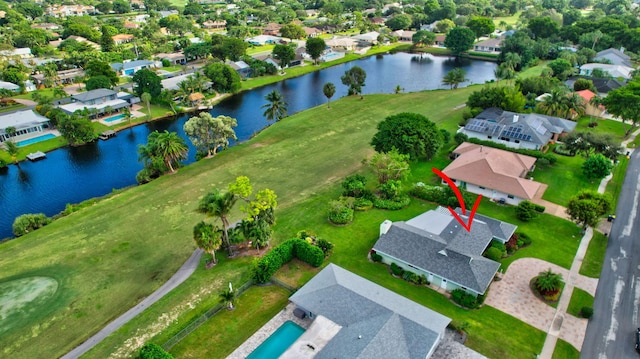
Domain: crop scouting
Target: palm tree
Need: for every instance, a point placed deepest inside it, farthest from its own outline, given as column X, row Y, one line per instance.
column 127, row 115
column 276, row 109
column 146, row 98
column 555, row 104
column 226, row 297
column 207, row 238
column 548, row 282
column 171, row 147
column 219, row 205
column 454, row 77
column 575, row 106
column 184, row 90
column 198, row 81
column 329, row 90
column 59, row 92
column 13, row 149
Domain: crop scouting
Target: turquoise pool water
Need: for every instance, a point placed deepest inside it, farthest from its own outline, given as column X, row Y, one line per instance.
column 114, row 118
column 278, row 342
column 35, row 140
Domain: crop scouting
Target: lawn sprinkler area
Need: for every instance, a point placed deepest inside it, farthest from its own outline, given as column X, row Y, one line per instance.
column 24, row 297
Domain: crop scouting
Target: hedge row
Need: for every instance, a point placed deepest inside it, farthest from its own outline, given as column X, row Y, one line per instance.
column 266, row 266
column 533, row 153
column 442, row 195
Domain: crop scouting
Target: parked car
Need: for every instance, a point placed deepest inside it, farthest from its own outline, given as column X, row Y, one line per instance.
column 637, row 341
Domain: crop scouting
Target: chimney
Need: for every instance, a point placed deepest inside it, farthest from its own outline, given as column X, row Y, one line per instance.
column 622, row 49
column 515, row 118
column 384, row 226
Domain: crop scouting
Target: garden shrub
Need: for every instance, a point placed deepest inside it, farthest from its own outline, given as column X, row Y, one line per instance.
column 526, row 211
column 324, row 245
column 29, row 222
column 396, row 270
column 460, row 137
column 392, row 204
column 354, row 186
column 586, row 312
column 390, row 189
column 493, row 253
column 442, row 195
column 526, row 240
column 376, row 257
column 520, row 242
column 362, row 204
column 153, row 351
column 500, row 246
column 341, row 211
column 538, row 208
column 464, row 299
column 263, row 268
column 563, row 151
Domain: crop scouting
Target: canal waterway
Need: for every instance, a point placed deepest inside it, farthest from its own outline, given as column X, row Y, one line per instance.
column 72, row 175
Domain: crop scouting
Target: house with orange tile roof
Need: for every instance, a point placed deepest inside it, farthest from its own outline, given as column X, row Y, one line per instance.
column 590, row 109
column 494, row 173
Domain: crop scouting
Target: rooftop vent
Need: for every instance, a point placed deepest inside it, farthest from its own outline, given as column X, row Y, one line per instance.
column 443, row 252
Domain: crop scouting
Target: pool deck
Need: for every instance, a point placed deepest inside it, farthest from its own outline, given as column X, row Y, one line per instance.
column 269, row 328
column 450, row 346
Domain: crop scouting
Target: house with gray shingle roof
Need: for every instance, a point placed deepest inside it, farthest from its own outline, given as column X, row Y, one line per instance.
column 356, row 318
column 516, row 130
column 435, row 244
column 615, row 56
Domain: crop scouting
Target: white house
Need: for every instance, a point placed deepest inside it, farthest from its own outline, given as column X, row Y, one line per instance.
column 23, row 122
column 616, row 71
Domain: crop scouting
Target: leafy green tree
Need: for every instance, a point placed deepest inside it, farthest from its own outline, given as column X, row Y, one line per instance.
column 13, row 150
column 561, row 68
column 481, row 26
column 98, row 82
column 583, row 84
column 29, row 10
column 390, row 166
column 153, row 351
column 596, row 167
column 146, row 98
column 121, row 6
column 98, row 68
column 443, row 26
column 147, row 81
column 587, row 207
column 208, row 238
column 224, row 78
column 410, row 133
column 284, row 54
column 218, row 204
column 315, row 46
column 29, row 222
column 208, row 133
column 399, row 22
column 104, row 7
column 548, row 282
column 76, row 130
column 423, row 38
column 526, row 211
column 329, row 89
column 193, row 8
column 332, row 8
column 624, row 103
column 454, row 77
column 234, row 49
column 459, row 40
column 276, row 108
column 292, row 31
column 543, row 27
column 106, row 41
column 354, row 78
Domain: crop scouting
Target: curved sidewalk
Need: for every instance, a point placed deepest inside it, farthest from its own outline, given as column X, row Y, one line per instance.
column 180, row 276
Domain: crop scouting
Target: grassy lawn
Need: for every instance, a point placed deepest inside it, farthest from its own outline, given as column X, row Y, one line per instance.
column 257, row 49
column 229, row 329
column 15, row 107
column 564, row 178
column 510, row 20
column 579, row 299
column 44, row 146
column 156, row 111
column 615, row 184
column 27, row 96
column 594, row 258
column 617, row 129
column 534, row 70
column 564, row 350
column 172, row 68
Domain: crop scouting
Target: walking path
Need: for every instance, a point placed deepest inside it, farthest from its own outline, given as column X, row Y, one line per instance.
column 180, row 276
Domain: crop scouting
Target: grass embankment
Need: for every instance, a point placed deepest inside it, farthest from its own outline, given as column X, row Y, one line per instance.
column 121, row 249
column 594, row 258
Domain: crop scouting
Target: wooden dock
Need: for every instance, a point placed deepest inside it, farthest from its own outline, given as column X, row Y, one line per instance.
column 36, row 156
column 107, row 135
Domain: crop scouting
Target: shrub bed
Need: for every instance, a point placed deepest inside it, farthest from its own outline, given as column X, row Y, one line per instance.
column 341, row 211
column 263, row 268
column 392, row 204
column 442, row 195
column 362, row 204
column 466, row 300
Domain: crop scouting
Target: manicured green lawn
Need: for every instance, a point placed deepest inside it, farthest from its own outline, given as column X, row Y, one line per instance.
column 615, row 184
column 564, row 178
column 256, row 49
column 27, row 96
column 564, row 350
column 44, row 146
column 579, row 299
column 594, row 258
column 510, row 20
column 617, row 129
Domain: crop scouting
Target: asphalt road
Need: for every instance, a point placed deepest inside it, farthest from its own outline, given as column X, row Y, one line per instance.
column 610, row 333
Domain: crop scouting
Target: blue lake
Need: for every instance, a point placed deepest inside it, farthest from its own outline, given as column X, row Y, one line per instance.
column 72, row 175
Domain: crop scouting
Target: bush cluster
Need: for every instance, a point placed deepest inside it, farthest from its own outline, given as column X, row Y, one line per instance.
column 29, row 222
column 527, row 211
column 341, row 211
column 493, row 253
column 562, row 151
column 376, row 257
column 396, row 270
column 465, row 299
column 153, row 351
column 586, row 312
column 517, row 241
column 264, row 267
column 442, row 195
column 362, row 204
column 396, row 203
column 533, row 153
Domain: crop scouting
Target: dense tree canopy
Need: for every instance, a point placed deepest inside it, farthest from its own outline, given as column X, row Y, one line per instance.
column 101, row 68
column 224, row 78
column 315, row 46
column 284, row 54
column 624, row 102
column 481, row 26
column 410, row 133
column 354, row 78
column 587, row 207
column 209, row 134
column 459, row 40
column 147, row 81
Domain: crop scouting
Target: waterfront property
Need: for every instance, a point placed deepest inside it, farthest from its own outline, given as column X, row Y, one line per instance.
column 32, row 140
column 517, row 130
column 434, row 244
column 98, row 102
column 496, row 174
column 25, row 123
column 356, row 318
column 131, row 67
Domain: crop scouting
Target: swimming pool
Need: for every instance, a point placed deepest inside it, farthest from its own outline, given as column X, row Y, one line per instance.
column 114, row 118
column 35, row 139
column 332, row 56
column 278, row 342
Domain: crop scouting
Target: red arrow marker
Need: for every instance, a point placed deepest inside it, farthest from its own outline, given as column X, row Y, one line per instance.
column 458, row 194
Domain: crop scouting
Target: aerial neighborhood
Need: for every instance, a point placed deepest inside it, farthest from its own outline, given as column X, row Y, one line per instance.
column 335, row 179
